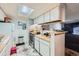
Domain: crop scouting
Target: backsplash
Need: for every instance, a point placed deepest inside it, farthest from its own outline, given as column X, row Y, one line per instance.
column 56, row 26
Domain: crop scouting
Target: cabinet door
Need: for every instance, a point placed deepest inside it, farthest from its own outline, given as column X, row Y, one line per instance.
column 54, row 14
column 59, row 45
column 46, row 17
column 38, row 20
column 35, row 21
column 8, row 48
column 37, row 44
column 41, row 19
column 44, row 48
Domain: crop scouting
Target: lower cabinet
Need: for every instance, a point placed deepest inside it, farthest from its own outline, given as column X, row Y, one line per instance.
column 37, row 44
column 6, row 50
column 44, row 48
column 59, row 45
column 47, row 49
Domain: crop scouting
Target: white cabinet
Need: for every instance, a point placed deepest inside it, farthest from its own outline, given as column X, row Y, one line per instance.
column 54, row 14
column 55, row 48
column 6, row 49
column 36, row 21
column 51, row 15
column 44, row 48
column 46, row 17
column 40, row 19
column 60, row 45
column 37, row 44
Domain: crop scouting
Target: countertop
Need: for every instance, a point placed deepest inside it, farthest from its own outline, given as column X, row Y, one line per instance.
column 47, row 38
column 59, row 33
column 43, row 37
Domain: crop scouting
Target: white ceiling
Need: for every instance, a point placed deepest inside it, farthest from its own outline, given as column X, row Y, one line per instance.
column 72, row 10
column 39, row 8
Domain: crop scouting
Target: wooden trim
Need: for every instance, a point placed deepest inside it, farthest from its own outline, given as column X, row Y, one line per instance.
column 51, row 22
column 59, row 33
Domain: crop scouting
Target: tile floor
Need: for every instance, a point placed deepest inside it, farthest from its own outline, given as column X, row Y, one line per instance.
column 28, row 51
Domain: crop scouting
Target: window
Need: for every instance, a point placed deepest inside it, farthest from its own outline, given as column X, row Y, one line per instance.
column 76, row 30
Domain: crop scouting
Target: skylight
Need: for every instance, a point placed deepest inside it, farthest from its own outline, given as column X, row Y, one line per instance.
column 24, row 10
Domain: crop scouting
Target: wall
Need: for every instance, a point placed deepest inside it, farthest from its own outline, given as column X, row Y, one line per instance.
column 6, row 28
column 2, row 15
column 18, row 31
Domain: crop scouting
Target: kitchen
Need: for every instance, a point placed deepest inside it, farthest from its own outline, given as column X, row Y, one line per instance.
column 33, row 29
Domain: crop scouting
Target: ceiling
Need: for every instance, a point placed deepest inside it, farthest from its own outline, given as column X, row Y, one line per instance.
column 11, row 9
column 72, row 10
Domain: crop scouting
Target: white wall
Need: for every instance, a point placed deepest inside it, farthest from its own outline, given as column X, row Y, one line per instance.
column 19, row 32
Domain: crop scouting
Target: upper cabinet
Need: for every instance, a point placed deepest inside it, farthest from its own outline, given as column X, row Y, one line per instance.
column 57, row 13
column 38, row 20
column 46, row 17
column 35, row 21
column 2, row 15
column 41, row 19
